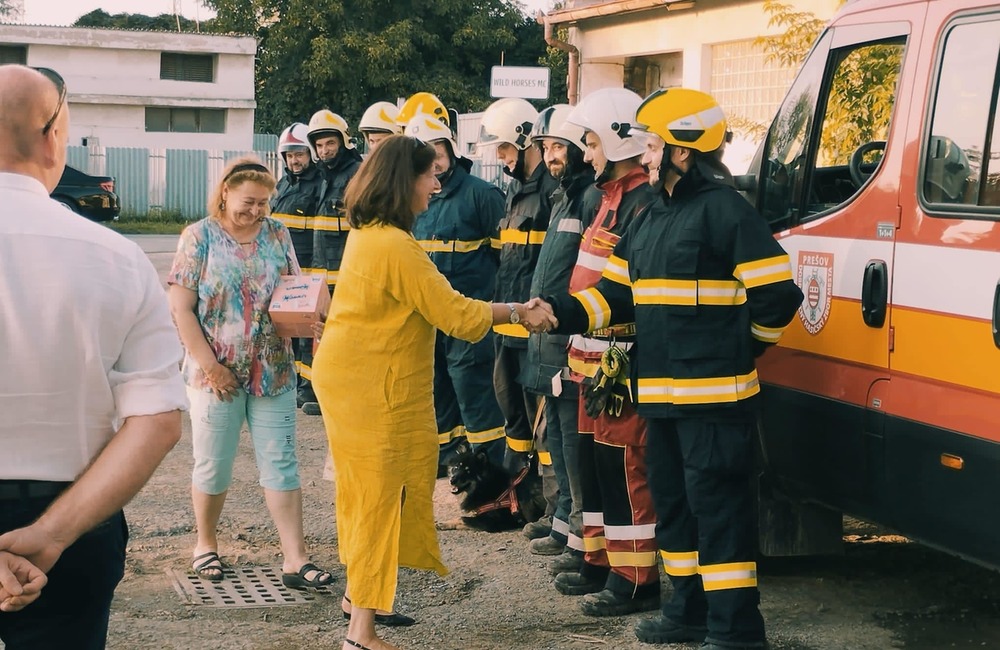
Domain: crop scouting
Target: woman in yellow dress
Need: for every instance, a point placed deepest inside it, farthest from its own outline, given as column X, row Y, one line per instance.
column 373, row 375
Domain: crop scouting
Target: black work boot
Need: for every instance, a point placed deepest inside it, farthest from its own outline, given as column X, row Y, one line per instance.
column 612, row 603
column 311, row 408
column 663, row 630
column 713, row 645
column 568, row 562
column 575, row 584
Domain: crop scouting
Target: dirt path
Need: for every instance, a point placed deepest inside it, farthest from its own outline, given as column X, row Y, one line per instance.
column 884, row 593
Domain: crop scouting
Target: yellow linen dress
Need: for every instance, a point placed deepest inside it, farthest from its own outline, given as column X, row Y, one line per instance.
column 373, row 376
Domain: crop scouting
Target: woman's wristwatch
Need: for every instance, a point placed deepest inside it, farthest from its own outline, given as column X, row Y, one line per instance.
column 515, row 318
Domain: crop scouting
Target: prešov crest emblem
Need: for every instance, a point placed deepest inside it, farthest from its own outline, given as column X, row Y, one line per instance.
column 816, row 281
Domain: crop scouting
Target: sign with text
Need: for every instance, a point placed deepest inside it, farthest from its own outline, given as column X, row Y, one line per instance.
column 519, row 81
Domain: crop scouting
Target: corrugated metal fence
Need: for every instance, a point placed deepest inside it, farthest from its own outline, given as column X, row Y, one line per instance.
column 176, row 182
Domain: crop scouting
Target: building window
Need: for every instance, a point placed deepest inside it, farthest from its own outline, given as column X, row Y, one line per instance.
column 187, row 67
column 746, row 84
column 185, row 120
column 13, row 54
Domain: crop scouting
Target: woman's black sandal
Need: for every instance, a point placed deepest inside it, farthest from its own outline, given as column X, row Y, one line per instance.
column 357, row 645
column 299, row 581
column 206, row 568
column 395, row 619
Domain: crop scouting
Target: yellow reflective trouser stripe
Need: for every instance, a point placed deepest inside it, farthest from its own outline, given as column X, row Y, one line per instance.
column 544, row 458
column 304, row 371
column 516, row 444
column 309, row 271
column 591, row 544
column 331, row 277
column 479, row 437
column 689, row 292
column 735, row 575
column 711, row 390
column 522, row 237
column 444, row 437
column 495, row 244
column 331, row 224
column 766, row 271
column 511, row 329
column 766, row 334
column 632, row 558
column 680, row 564
column 597, row 308
column 300, row 221
column 453, row 246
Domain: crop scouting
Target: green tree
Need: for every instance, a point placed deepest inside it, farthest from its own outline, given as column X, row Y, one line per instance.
column 163, row 22
column 346, row 54
column 861, row 92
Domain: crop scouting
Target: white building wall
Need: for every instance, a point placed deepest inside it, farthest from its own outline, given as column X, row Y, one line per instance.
column 113, row 75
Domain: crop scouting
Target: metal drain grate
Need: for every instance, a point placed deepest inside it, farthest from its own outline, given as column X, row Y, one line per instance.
column 242, row 587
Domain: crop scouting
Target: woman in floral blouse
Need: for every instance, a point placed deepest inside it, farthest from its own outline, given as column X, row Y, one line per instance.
column 236, row 367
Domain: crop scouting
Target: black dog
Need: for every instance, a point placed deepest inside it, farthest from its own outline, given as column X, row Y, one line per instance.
column 493, row 500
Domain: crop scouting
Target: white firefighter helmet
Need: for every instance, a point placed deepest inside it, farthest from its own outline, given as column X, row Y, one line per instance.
column 294, row 138
column 422, row 102
column 610, row 114
column 552, row 123
column 430, row 129
column 380, row 117
column 326, row 123
column 507, row 120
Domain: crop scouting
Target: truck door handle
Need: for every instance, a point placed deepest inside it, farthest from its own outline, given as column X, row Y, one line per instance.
column 875, row 294
column 996, row 315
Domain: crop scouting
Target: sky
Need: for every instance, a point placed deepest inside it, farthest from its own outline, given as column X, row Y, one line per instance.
column 65, row 12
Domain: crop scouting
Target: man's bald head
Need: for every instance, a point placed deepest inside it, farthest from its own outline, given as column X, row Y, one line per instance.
column 28, row 99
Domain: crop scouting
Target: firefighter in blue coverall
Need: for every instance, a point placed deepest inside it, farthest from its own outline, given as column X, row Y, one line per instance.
column 338, row 161
column 296, row 199
column 456, row 231
column 709, row 289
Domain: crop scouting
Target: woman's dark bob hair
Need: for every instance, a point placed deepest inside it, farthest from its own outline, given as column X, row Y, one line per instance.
column 382, row 190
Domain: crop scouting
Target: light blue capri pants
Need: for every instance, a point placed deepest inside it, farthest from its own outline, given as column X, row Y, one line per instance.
column 215, row 437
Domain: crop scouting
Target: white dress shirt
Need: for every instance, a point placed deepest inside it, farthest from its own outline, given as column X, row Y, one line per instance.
column 86, row 338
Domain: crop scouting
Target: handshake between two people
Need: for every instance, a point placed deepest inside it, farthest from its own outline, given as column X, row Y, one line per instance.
column 538, row 317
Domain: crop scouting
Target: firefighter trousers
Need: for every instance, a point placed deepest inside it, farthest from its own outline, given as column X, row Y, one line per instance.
column 699, row 474
column 562, row 438
column 519, row 407
column 619, row 520
column 464, row 403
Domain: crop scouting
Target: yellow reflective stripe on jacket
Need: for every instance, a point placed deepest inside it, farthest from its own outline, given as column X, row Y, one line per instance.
column 516, row 444
column 544, row 458
column 594, row 544
column 452, row 246
column 444, row 437
column 735, row 575
column 331, row 224
column 511, row 329
column 766, row 334
column 684, row 563
column 712, row 390
column 488, row 435
column 597, row 308
column 689, row 292
column 765, row 271
column 300, row 221
column 616, row 270
column 521, row 237
column 582, row 367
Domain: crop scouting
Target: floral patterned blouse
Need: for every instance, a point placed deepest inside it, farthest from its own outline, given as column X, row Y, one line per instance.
column 234, row 286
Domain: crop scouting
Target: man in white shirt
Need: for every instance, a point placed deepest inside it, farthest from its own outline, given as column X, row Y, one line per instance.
column 85, row 417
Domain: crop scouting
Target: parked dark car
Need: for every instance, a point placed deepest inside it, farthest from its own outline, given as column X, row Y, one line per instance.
column 91, row 196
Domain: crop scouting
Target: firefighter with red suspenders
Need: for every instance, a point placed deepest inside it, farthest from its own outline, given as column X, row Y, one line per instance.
column 619, row 572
